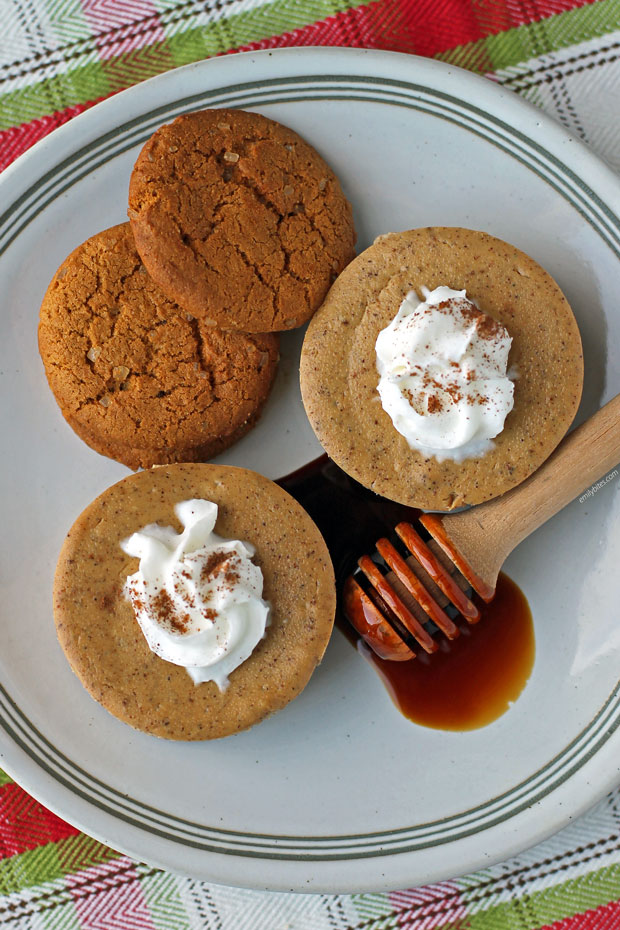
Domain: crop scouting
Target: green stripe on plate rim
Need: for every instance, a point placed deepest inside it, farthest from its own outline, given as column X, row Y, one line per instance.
column 406, row 839
column 449, row 108
column 347, row 846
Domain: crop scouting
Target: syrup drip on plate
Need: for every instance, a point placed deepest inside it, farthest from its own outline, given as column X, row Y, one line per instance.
column 468, row 682
column 472, row 680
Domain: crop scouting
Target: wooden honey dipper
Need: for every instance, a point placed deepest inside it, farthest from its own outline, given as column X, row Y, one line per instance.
column 391, row 600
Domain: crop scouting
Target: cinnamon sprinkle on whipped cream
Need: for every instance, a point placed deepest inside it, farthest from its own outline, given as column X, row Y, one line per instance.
column 196, row 596
column 443, row 379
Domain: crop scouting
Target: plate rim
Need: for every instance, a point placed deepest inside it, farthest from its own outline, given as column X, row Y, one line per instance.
column 64, row 136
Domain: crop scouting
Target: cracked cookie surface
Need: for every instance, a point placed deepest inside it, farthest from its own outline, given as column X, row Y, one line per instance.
column 136, row 377
column 239, row 220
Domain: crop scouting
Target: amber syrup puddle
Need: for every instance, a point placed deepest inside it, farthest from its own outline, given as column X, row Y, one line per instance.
column 467, row 683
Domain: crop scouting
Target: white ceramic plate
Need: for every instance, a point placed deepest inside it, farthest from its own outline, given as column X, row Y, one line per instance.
column 338, row 792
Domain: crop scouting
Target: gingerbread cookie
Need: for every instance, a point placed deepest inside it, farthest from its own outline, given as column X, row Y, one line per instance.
column 136, row 377
column 239, row 220
column 105, row 646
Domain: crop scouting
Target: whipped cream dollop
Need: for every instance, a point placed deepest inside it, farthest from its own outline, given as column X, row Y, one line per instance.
column 197, row 597
column 443, row 379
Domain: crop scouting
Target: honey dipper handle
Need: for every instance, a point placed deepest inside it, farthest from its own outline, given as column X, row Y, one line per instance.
column 485, row 535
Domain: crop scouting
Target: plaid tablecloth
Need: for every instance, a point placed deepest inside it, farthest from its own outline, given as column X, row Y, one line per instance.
column 59, row 57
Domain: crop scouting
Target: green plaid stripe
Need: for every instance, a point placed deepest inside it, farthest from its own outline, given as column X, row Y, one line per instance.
column 82, row 76
column 537, row 909
column 195, row 43
column 87, row 82
column 46, row 882
column 68, row 21
column 52, row 861
column 509, row 48
column 165, row 901
column 373, row 910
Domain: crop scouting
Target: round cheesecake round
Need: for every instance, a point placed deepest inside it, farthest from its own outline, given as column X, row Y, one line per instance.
column 105, row 646
column 136, row 377
column 339, row 376
column 239, row 220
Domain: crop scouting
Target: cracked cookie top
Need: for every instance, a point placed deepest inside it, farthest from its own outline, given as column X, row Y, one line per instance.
column 239, row 220
column 136, row 377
